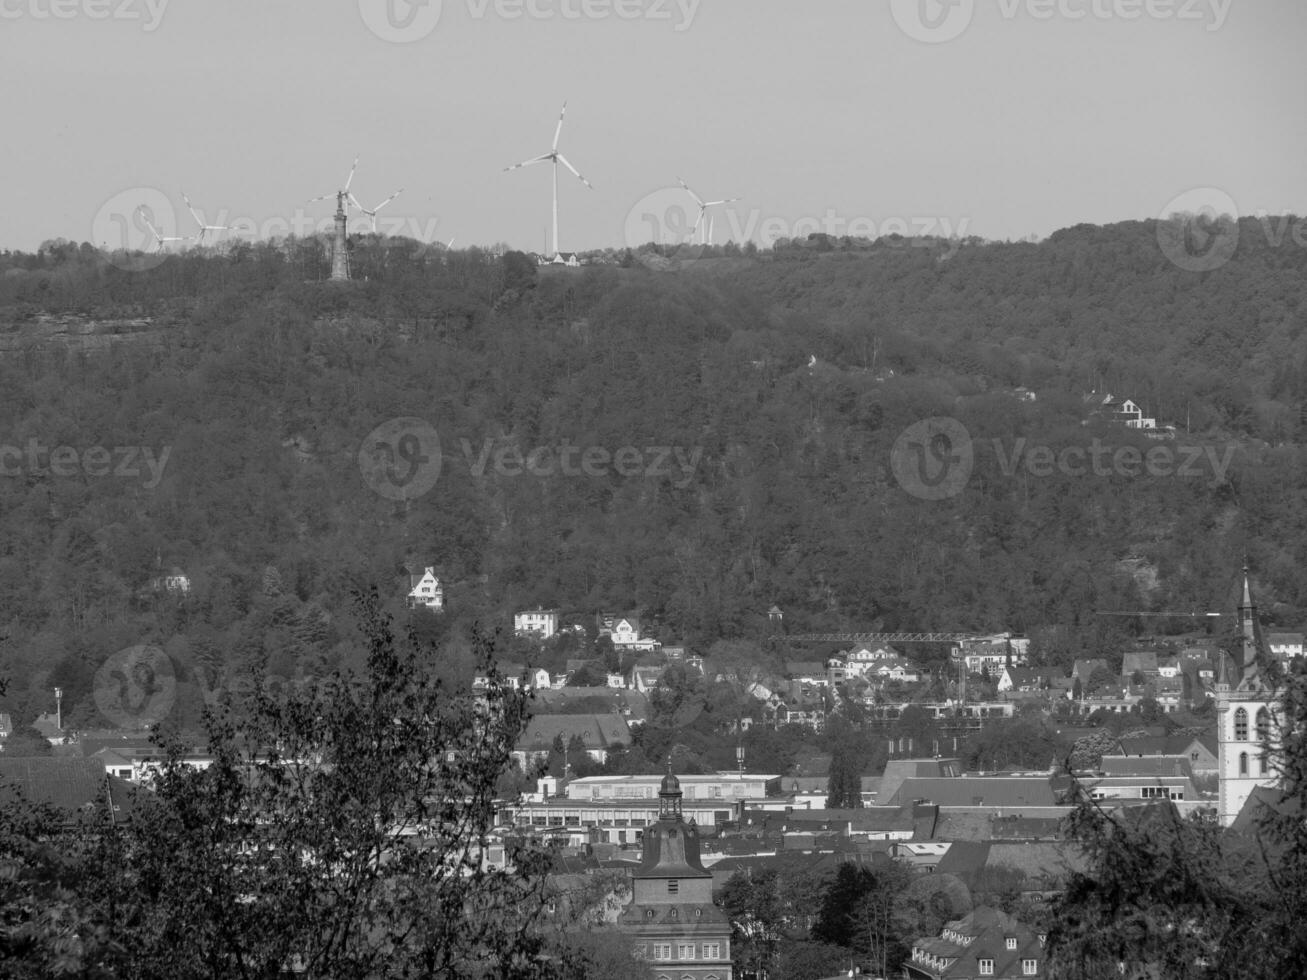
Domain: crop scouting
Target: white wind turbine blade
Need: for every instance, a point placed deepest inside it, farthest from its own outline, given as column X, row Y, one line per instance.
column 354, row 202
column 563, row 160
column 559, row 131
column 191, row 209
column 148, row 223
column 729, row 200
column 387, row 201
column 324, row 197
column 697, row 199
column 698, row 222
column 526, row 163
column 350, row 179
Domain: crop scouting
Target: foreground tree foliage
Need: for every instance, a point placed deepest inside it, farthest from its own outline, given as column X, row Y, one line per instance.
column 339, row 832
column 1166, row 897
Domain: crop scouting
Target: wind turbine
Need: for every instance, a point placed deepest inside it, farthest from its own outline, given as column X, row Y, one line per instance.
column 373, row 213
column 159, row 239
column 554, row 157
column 199, row 239
column 706, row 237
column 343, row 195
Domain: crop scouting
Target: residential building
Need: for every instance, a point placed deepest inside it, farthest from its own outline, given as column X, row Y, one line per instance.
column 985, row 943
column 1025, row 680
column 1139, row 662
column 1200, row 750
column 176, row 582
column 1121, row 411
column 1004, row 791
column 425, row 590
column 624, row 631
column 542, row 623
column 6, row 725
column 597, row 734
column 1247, row 710
column 1285, row 646
column 672, row 920
column 992, row 652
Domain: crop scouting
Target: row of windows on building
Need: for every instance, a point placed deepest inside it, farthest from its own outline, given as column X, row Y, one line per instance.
column 1241, row 724
column 1029, row 968
column 684, row 951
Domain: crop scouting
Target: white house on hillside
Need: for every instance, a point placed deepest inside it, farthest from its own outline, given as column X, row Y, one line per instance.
column 425, row 590
column 541, row 622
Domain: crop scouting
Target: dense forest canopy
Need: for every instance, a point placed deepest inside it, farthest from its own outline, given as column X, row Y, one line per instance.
column 758, row 393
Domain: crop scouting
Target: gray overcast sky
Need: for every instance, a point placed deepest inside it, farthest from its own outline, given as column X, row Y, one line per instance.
column 1037, row 115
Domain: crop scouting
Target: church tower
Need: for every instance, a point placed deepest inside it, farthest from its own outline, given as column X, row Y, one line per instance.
column 1247, row 715
column 672, row 920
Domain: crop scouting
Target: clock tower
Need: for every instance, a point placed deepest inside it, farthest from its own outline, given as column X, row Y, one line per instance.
column 672, row 920
column 1247, row 715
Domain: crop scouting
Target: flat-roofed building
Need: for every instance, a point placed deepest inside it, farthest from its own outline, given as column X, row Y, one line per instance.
column 711, row 786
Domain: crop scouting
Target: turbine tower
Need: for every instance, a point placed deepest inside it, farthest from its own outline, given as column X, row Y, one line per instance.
column 705, row 237
column 339, row 251
column 554, row 157
column 159, row 239
column 199, row 239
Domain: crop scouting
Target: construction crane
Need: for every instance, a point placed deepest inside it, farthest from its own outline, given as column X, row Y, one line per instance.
column 876, row 637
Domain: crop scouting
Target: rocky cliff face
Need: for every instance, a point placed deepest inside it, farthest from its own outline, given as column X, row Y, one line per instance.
column 72, row 331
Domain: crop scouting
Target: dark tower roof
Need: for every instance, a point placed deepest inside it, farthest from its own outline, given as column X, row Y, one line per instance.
column 671, row 846
column 1250, row 668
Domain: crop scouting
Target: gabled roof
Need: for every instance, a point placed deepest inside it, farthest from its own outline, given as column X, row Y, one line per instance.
column 595, row 731
column 70, row 784
column 977, row 791
column 1166, row 745
column 1154, row 765
column 1144, row 661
